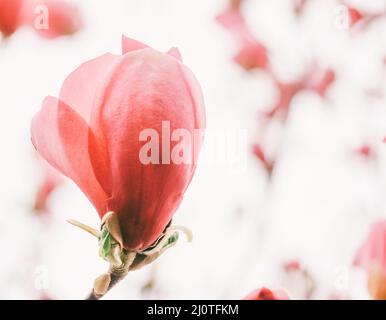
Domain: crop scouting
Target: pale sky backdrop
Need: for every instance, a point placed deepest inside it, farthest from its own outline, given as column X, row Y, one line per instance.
column 321, row 200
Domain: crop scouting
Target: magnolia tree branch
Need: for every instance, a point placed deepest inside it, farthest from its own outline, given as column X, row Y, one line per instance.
column 130, row 262
column 114, row 279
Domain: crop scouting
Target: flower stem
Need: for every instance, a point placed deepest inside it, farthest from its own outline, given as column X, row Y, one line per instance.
column 115, row 278
column 105, row 282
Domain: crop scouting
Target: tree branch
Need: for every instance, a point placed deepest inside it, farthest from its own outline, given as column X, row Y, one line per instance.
column 107, row 281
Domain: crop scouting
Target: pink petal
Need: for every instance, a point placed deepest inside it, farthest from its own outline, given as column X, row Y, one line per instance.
column 79, row 91
column 373, row 251
column 174, row 52
column 129, row 45
column 61, row 136
column 79, row 88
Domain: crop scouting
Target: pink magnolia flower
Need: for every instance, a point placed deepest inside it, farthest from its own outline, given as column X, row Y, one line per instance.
column 10, row 12
column 267, row 294
column 52, row 18
column 372, row 258
column 94, row 135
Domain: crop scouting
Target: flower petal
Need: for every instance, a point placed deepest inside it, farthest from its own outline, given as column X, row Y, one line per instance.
column 78, row 90
column 174, row 52
column 62, row 137
column 129, row 45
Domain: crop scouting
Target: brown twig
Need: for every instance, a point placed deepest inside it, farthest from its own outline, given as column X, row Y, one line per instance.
column 116, row 274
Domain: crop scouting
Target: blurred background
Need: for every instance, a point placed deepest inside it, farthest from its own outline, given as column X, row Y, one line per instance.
column 291, row 192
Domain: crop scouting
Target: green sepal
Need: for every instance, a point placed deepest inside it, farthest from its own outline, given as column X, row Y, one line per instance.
column 106, row 242
column 171, row 240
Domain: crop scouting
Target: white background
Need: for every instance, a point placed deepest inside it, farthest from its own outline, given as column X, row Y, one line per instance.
column 316, row 209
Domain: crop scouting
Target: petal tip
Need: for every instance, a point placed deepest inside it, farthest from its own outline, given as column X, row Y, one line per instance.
column 174, row 52
column 129, row 45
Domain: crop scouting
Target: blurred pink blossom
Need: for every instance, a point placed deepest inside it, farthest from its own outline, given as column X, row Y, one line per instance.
column 292, row 265
column 372, row 258
column 317, row 79
column 359, row 19
column 49, row 18
column 252, row 53
column 260, row 155
column 366, row 151
column 10, row 16
column 267, row 294
column 354, row 15
column 51, row 179
column 299, row 6
column 63, row 17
